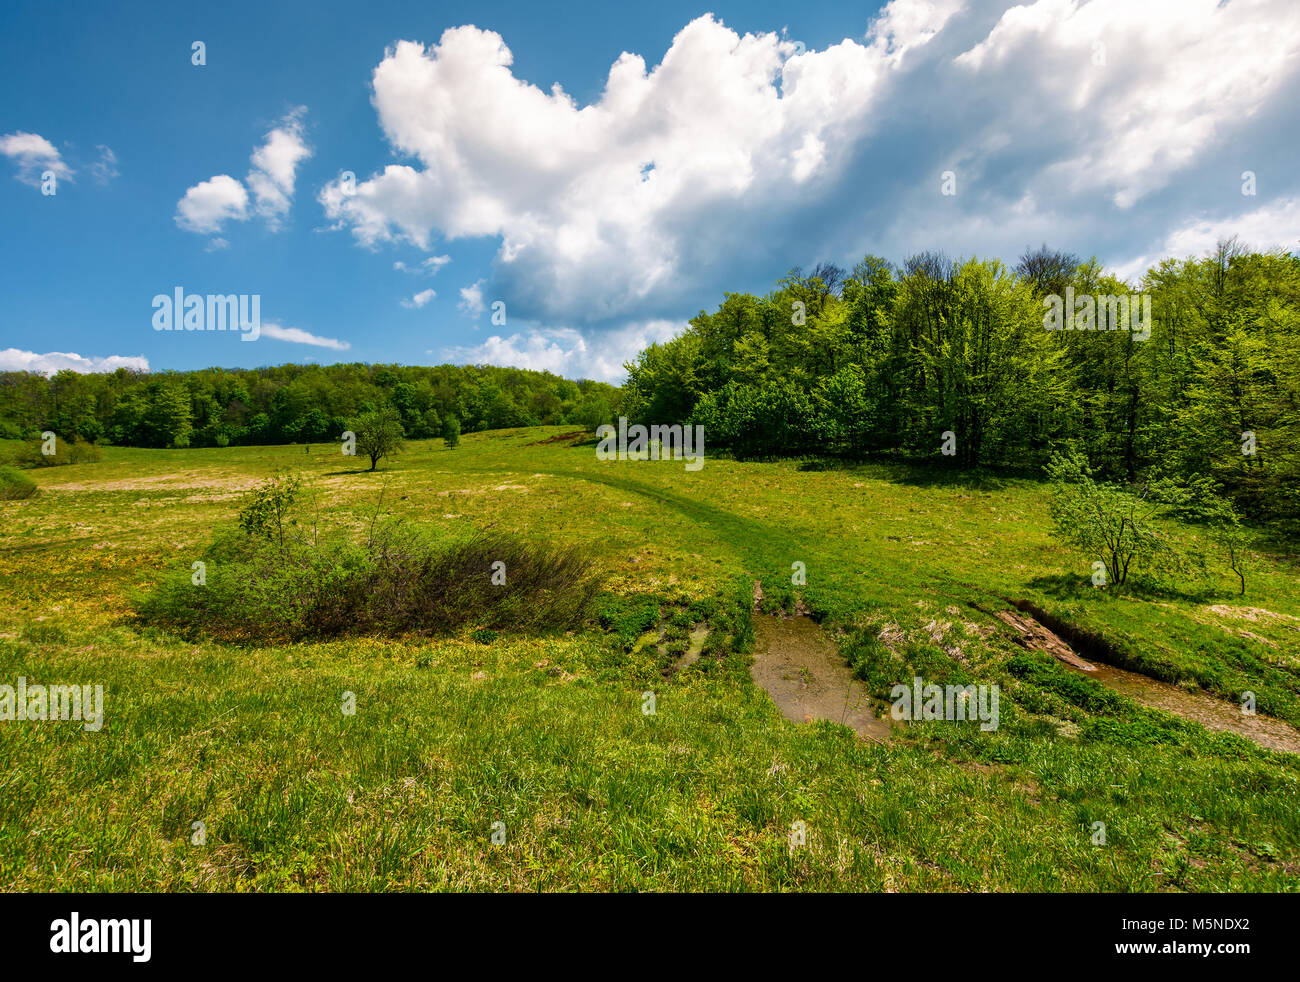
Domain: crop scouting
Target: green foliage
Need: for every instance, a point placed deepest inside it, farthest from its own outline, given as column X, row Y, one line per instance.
column 1236, row 542
column 73, row 451
column 14, row 484
column 451, row 432
column 757, row 420
column 284, row 404
column 1109, row 523
column 266, row 508
column 627, row 617
column 888, row 359
column 273, row 580
column 1047, row 673
column 593, row 411
column 379, row 433
column 167, row 421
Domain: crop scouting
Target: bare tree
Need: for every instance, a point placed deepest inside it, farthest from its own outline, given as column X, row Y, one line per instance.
column 832, row 277
column 1049, row 270
column 931, row 264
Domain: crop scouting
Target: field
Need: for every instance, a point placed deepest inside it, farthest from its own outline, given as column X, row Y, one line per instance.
column 531, row 763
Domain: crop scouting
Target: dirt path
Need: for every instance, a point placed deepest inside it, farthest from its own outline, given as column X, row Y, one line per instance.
column 805, row 674
column 1198, row 707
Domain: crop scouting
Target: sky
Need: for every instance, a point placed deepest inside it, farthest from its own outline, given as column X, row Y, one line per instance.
column 554, row 187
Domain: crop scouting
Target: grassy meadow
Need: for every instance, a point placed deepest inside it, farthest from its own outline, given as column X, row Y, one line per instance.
column 541, row 742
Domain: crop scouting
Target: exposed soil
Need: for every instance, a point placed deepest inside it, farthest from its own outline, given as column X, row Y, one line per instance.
column 1196, row 706
column 570, row 437
column 1031, row 634
column 161, row 482
column 805, row 674
column 1251, row 614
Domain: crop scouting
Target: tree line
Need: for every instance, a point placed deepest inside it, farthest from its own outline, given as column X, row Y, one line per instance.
column 290, row 403
column 951, row 361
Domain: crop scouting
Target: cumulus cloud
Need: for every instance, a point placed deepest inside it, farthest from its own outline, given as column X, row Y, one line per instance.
column 17, row 360
column 566, row 351
column 208, row 205
column 297, row 335
column 599, row 207
column 739, row 156
column 33, row 155
column 419, row 300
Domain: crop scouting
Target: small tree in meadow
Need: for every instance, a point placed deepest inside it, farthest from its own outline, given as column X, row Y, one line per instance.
column 379, row 434
column 1109, row 522
column 451, row 432
column 1236, row 541
column 266, row 508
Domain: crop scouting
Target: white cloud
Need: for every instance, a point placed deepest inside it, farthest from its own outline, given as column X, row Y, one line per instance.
column 1267, row 227
column 738, row 156
column 419, row 300
column 471, row 299
column 903, row 26
column 1122, row 73
column 210, row 204
column 33, row 155
column 597, row 207
column 297, row 335
column 429, row 267
column 275, row 166
column 567, row 352
column 17, row 360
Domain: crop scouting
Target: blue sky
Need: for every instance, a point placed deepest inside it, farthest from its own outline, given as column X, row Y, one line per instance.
column 747, row 139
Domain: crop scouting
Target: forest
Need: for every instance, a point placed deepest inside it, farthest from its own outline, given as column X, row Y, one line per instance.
column 951, row 361
column 218, row 407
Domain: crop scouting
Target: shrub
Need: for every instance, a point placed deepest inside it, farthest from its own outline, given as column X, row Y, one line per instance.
column 15, row 485
column 268, row 580
column 65, row 452
column 451, row 432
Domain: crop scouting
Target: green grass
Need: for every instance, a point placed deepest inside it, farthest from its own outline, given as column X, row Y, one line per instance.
column 546, row 734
